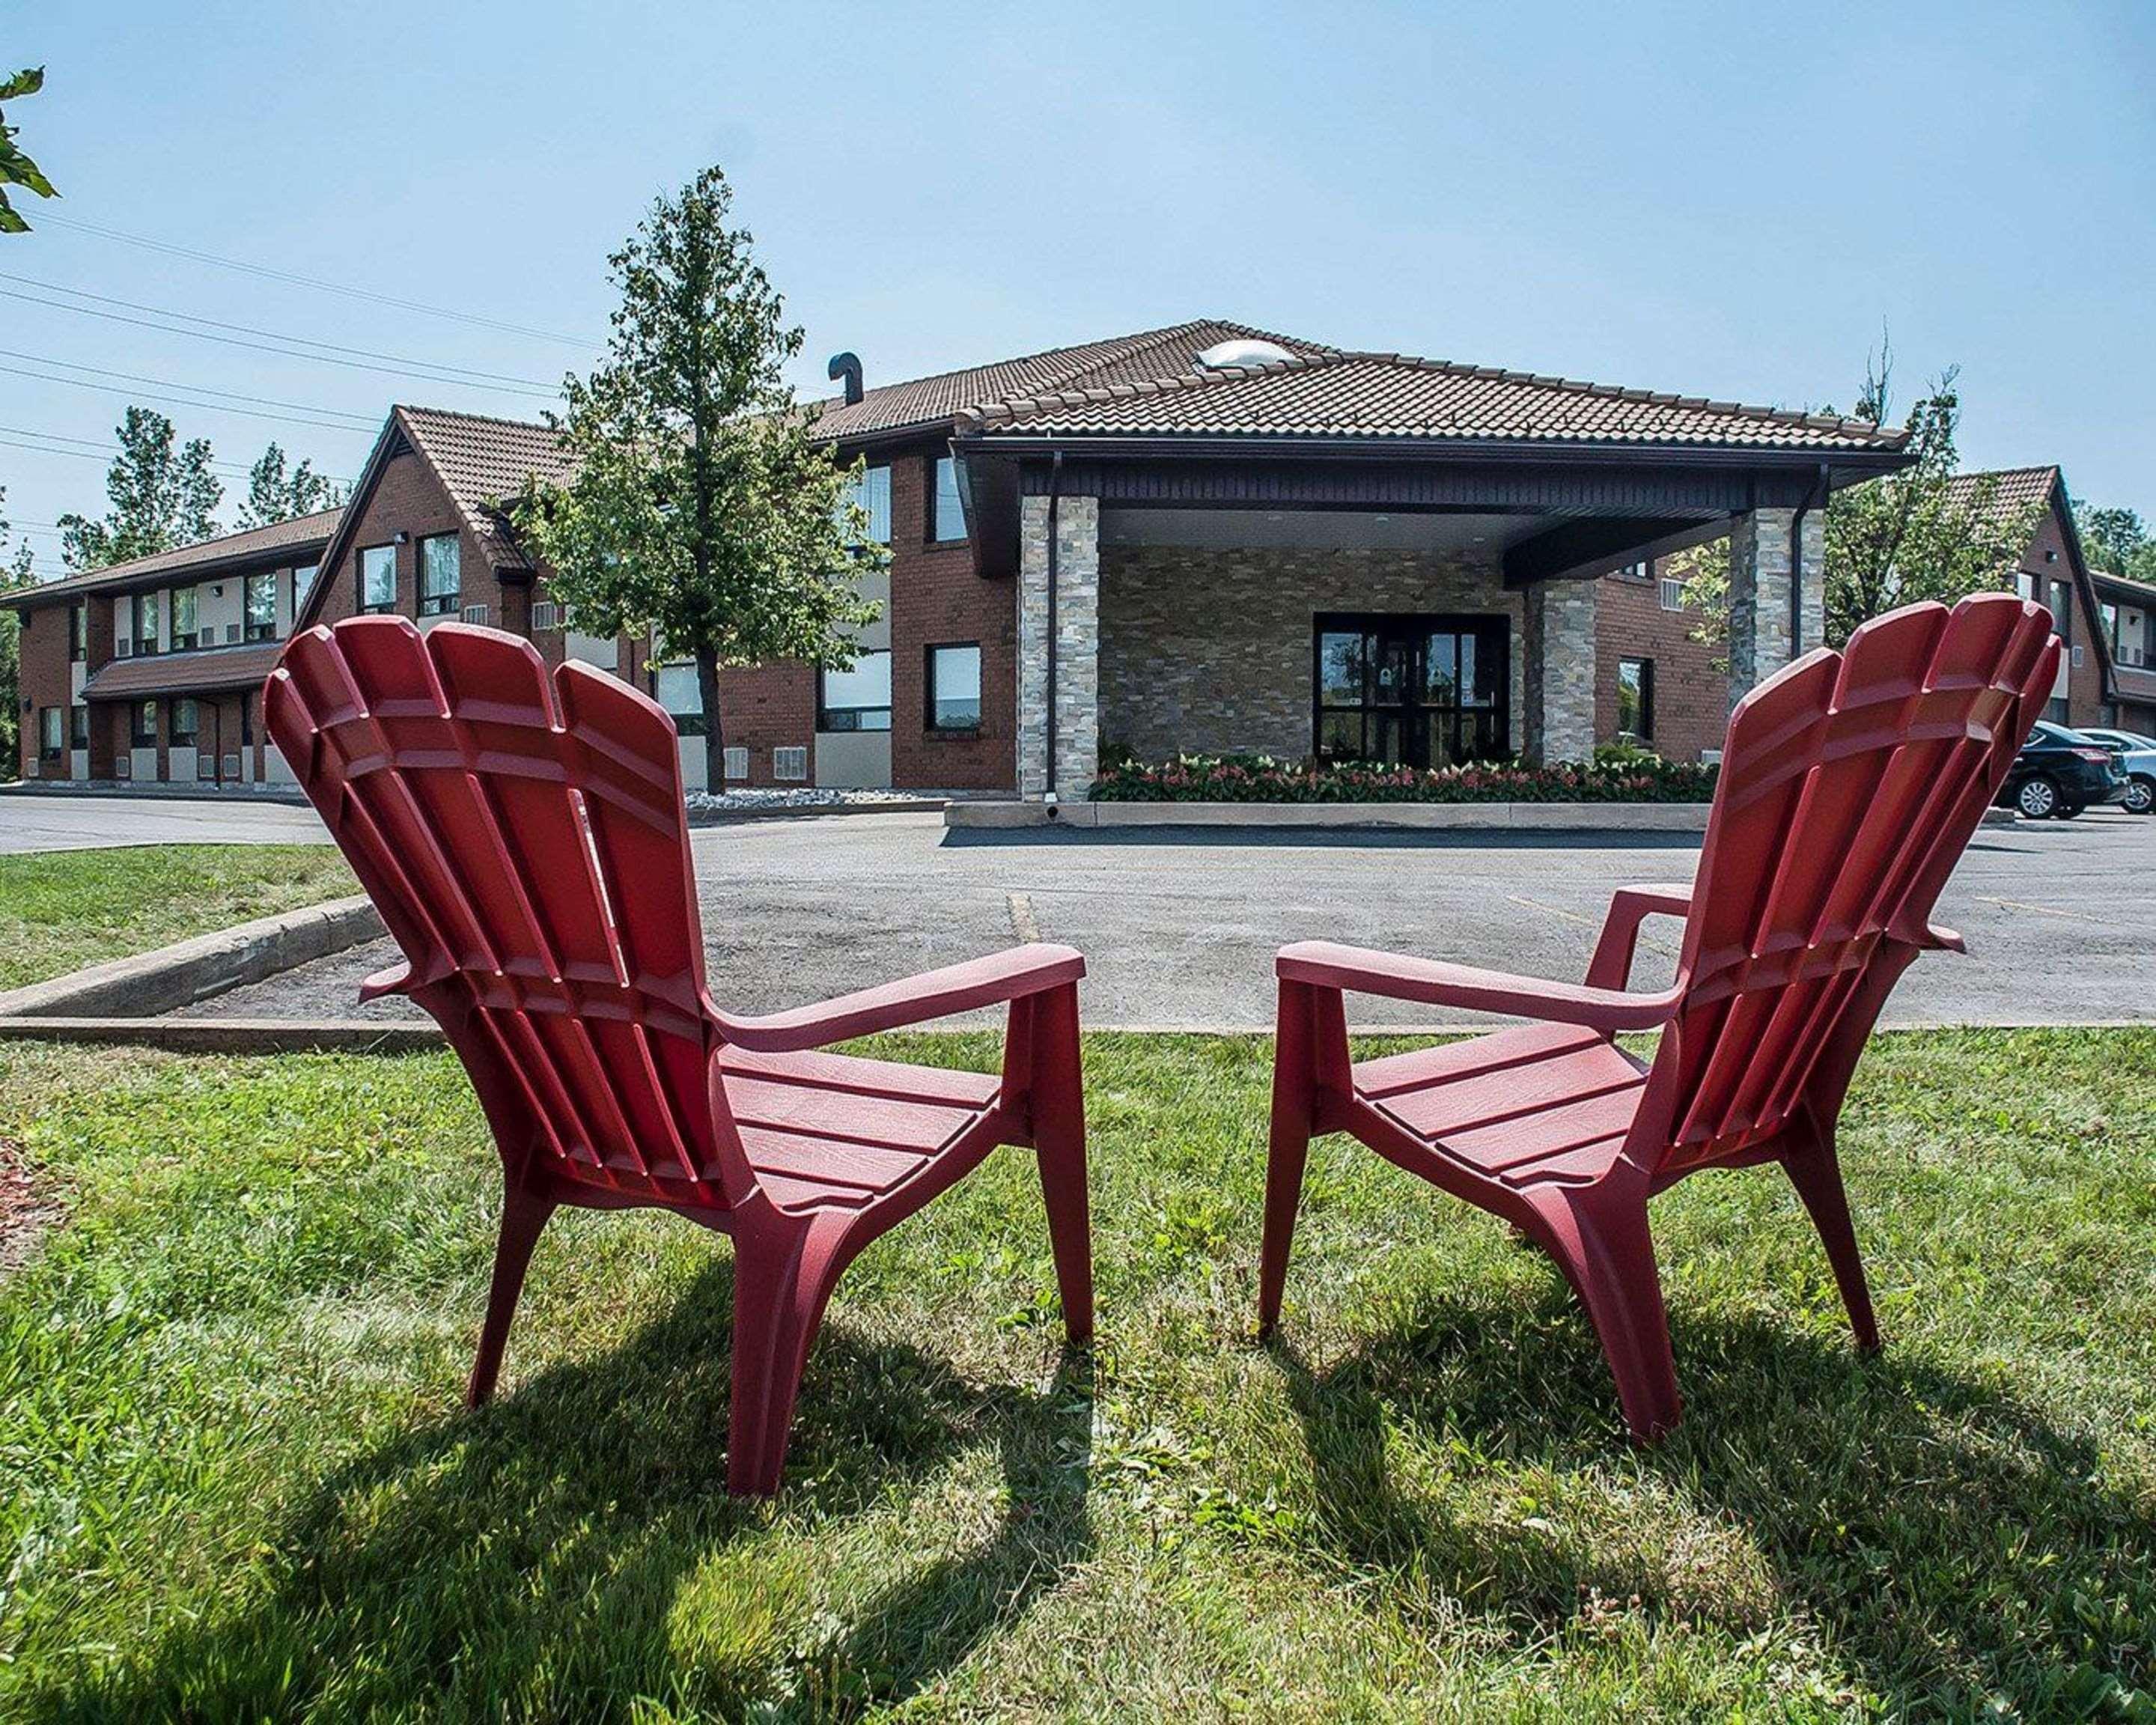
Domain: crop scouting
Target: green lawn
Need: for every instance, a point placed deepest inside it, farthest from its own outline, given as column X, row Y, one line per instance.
column 62, row 909
column 236, row 1482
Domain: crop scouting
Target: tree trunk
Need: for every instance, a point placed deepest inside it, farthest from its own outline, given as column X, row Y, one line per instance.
column 714, row 730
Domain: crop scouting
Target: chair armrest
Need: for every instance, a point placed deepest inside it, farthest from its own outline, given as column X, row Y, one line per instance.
column 1010, row 975
column 1397, row 977
column 1611, row 966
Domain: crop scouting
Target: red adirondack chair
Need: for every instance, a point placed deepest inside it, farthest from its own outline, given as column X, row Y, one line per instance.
column 528, row 847
column 1850, row 785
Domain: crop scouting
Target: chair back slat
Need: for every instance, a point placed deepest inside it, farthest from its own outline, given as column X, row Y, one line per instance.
column 1850, row 785
column 525, row 839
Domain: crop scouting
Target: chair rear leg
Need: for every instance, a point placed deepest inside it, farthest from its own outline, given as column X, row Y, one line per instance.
column 780, row 1289
column 1815, row 1172
column 523, row 1215
column 1601, row 1241
column 1294, row 1096
column 1058, row 1102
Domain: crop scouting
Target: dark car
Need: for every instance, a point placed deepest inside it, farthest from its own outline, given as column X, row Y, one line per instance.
column 2061, row 772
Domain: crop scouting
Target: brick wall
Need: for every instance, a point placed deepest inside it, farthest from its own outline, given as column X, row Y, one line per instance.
column 407, row 499
column 1211, row 649
column 46, row 681
column 1692, row 691
column 2045, row 560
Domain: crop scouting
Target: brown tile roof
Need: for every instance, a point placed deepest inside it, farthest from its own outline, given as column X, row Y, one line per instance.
column 299, row 535
column 183, row 673
column 482, row 461
column 2016, row 489
column 1121, row 359
column 1340, row 394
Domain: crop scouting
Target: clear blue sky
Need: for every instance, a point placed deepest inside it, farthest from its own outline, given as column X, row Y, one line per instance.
column 1645, row 193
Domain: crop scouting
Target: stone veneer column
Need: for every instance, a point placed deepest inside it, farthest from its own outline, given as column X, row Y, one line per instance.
column 1077, row 647
column 1759, row 638
column 1559, row 641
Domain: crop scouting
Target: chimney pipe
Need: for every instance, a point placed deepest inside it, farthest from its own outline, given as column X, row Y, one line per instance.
column 848, row 367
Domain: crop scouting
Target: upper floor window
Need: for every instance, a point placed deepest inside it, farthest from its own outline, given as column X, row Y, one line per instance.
column 1637, row 572
column 78, row 633
column 145, row 623
column 856, row 700
column 675, row 688
column 377, row 578
column 262, row 604
column 954, row 695
column 947, row 510
column 185, row 613
column 440, row 579
column 303, row 582
column 872, row 491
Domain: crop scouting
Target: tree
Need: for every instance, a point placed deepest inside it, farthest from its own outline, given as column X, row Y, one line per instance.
column 2117, row 540
column 275, row 493
column 17, row 169
column 15, row 573
column 1894, row 541
column 701, row 508
column 162, row 496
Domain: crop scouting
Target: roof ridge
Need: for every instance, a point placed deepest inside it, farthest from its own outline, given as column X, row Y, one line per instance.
column 408, row 407
column 1172, row 383
column 1651, row 397
column 120, row 570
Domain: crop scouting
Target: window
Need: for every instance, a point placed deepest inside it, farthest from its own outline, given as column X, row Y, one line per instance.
column 303, row 582
column 79, row 726
column 145, row 623
column 947, row 510
column 673, row 687
column 186, row 608
column 1635, row 571
column 872, row 491
column 262, row 604
column 1411, row 691
column 2062, row 612
column 440, row 581
column 856, row 700
column 50, row 720
column 953, row 696
column 185, row 717
column 377, row 578
column 1673, row 593
column 78, row 633
column 145, row 717
column 1635, row 699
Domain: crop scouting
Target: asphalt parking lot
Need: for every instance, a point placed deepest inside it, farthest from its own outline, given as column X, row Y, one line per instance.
column 1179, row 928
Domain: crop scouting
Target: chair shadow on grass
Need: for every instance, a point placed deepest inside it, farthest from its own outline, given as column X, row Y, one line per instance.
column 1956, row 1548
column 555, row 1531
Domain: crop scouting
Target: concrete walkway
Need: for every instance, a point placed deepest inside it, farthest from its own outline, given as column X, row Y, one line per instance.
column 1180, row 928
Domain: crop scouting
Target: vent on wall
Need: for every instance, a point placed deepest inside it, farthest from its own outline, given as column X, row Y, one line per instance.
column 545, row 615
column 1673, row 593
column 231, row 633
column 123, row 650
column 123, row 767
column 475, row 613
column 232, row 767
column 736, row 764
column 791, row 764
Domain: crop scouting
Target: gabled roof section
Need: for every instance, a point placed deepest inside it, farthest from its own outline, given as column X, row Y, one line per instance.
column 942, row 398
column 1332, row 394
column 2015, row 489
column 479, row 461
column 297, row 538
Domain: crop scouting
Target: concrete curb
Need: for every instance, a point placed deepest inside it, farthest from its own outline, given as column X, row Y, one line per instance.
column 281, row 795
column 179, row 975
column 1426, row 816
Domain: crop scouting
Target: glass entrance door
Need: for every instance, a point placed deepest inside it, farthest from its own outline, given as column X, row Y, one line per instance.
column 1411, row 691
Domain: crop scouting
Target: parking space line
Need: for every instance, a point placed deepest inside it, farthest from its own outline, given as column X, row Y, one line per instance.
column 2015, row 904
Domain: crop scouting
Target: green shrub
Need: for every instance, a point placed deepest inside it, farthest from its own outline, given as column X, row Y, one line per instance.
column 1620, row 775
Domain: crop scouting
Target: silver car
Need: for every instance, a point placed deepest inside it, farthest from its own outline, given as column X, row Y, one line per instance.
column 2140, row 764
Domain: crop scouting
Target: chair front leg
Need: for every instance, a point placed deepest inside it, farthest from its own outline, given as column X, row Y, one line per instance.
column 1295, row 1101
column 782, row 1280
column 523, row 1215
column 1056, row 1097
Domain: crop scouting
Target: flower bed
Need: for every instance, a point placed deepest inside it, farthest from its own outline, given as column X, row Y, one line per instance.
column 1613, row 775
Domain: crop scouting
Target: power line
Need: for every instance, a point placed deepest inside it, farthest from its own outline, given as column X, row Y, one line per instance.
column 332, row 287
column 181, row 401
column 360, row 421
column 325, row 359
column 90, row 449
column 426, row 365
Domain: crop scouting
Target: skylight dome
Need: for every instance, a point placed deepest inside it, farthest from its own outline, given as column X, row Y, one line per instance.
column 1242, row 351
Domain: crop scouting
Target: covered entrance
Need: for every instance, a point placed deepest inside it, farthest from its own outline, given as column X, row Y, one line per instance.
column 1410, row 690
